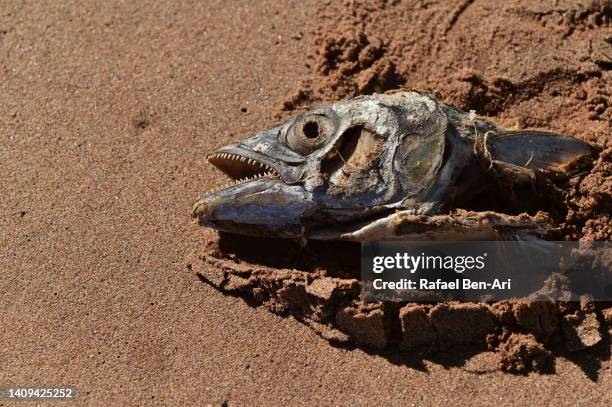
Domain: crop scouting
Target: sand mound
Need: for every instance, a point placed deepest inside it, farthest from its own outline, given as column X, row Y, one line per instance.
column 324, row 294
column 476, row 59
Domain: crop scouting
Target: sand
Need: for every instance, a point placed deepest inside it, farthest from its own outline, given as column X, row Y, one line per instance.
column 106, row 112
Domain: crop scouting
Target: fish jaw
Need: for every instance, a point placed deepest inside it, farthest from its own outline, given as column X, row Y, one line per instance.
column 264, row 207
column 263, row 197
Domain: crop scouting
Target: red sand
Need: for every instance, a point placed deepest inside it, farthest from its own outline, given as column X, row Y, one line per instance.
column 106, row 112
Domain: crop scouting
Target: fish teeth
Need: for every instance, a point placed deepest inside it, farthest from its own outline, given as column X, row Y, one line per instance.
column 260, row 169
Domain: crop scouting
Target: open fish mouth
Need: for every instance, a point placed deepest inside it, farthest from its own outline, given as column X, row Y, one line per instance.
column 257, row 201
column 241, row 168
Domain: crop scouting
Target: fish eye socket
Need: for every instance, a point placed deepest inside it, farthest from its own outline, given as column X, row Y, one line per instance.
column 309, row 132
column 311, row 129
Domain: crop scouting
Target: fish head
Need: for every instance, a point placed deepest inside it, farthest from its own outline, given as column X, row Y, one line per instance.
column 347, row 162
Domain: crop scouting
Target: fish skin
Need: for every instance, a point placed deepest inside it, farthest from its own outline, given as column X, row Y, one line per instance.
column 354, row 165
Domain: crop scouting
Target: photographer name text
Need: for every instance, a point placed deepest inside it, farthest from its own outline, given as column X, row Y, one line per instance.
column 440, row 284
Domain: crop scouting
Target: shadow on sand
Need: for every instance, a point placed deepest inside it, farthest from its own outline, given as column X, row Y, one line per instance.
column 341, row 260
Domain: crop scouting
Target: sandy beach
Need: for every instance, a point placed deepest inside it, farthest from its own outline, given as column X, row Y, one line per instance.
column 107, row 110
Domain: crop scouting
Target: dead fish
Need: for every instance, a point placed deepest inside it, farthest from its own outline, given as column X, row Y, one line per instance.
column 395, row 166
